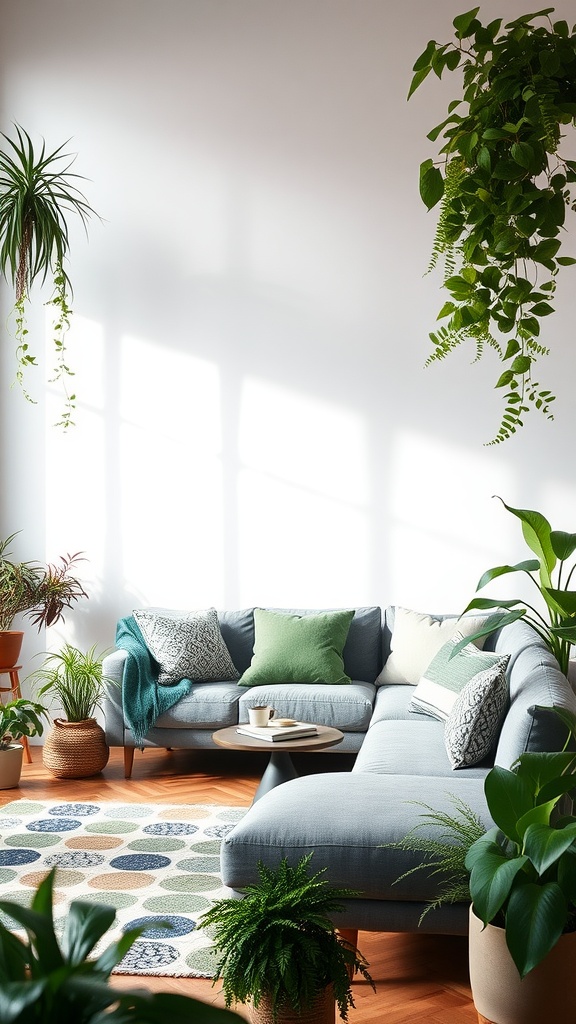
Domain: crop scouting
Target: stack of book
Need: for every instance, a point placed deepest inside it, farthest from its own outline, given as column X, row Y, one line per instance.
column 277, row 733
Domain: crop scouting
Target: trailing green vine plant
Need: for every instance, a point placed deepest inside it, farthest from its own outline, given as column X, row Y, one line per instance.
column 504, row 189
column 37, row 192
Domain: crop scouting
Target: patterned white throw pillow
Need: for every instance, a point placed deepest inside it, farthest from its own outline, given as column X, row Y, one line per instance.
column 186, row 646
column 474, row 722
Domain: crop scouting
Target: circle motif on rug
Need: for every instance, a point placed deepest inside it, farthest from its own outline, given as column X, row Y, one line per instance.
column 38, row 841
column 54, row 825
column 65, row 880
column 80, row 810
column 178, row 926
column 119, row 900
column 139, row 862
column 18, row 856
column 127, row 811
column 148, row 955
column 114, row 828
column 210, row 846
column 23, row 807
column 74, row 859
column 190, row 883
column 177, row 903
column 7, row 875
column 195, row 813
column 121, row 880
column 163, row 844
column 170, row 828
column 203, row 962
column 93, row 842
column 218, row 831
column 199, row 864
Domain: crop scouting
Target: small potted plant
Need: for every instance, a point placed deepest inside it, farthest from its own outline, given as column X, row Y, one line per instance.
column 279, row 949
column 73, row 680
column 18, row 718
column 42, row 592
column 50, row 978
column 520, row 876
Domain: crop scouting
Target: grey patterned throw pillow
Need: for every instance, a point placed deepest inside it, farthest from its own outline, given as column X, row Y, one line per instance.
column 473, row 724
column 186, row 646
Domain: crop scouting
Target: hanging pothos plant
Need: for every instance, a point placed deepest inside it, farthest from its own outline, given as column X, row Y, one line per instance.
column 504, row 189
column 36, row 194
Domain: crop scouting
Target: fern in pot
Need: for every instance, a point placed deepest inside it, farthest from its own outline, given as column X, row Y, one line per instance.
column 76, row 747
column 279, row 950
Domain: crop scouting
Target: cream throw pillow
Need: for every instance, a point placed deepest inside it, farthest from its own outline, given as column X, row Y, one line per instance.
column 417, row 638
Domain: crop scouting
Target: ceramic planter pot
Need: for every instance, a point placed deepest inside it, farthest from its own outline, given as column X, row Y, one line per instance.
column 502, row 997
column 322, row 1011
column 11, row 766
column 10, row 647
column 75, row 750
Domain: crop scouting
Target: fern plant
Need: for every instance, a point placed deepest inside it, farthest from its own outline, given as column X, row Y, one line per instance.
column 278, row 942
column 504, row 189
column 37, row 192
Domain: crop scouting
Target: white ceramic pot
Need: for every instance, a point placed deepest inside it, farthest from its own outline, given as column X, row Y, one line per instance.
column 502, row 997
column 11, row 766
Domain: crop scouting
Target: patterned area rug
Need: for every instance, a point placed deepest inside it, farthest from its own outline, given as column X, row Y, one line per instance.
column 150, row 862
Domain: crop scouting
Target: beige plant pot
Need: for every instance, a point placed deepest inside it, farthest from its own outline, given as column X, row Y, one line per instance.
column 502, row 997
column 11, row 766
column 75, row 750
column 322, row 1011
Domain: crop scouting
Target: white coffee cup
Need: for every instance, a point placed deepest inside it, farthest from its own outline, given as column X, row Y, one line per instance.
column 260, row 715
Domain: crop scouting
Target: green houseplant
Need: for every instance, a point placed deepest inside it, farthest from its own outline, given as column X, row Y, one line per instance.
column 37, row 193
column 551, row 574
column 520, row 874
column 18, row 718
column 72, row 679
column 55, row 979
column 279, row 948
column 42, row 592
column 504, row 189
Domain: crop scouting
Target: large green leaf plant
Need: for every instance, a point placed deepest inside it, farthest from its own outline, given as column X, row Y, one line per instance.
column 550, row 573
column 504, row 189
column 49, row 979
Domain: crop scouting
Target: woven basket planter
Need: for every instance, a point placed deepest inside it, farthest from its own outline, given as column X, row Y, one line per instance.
column 75, row 750
column 322, row 1011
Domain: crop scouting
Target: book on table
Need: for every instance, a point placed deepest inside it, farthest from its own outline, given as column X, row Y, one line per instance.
column 275, row 734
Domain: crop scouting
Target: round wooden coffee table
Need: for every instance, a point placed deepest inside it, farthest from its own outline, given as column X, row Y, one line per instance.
column 280, row 767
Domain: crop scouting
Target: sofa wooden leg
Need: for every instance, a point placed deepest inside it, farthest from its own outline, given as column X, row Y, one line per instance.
column 350, row 935
column 128, row 761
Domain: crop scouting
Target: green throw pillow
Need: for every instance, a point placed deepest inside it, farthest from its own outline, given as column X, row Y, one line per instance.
column 298, row 648
column 447, row 675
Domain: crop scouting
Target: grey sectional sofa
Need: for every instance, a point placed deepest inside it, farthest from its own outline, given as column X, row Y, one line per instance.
column 349, row 818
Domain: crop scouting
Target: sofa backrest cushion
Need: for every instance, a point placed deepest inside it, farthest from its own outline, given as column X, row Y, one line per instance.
column 535, row 680
column 362, row 651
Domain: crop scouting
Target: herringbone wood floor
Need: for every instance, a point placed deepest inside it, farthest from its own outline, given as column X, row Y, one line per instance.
column 418, row 977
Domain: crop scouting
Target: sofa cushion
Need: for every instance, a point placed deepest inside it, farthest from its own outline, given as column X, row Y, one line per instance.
column 346, row 820
column 416, row 638
column 186, row 645
column 448, row 674
column 407, row 748
column 206, row 706
column 342, row 707
column 298, row 649
column 474, row 721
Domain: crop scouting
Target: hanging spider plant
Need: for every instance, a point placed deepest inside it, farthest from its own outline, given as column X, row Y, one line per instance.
column 36, row 194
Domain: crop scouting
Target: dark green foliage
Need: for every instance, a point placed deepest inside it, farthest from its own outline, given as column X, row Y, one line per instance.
column 522, row 872
column 279, row 941
column 504, row 189
column 18, row 718
column 49, row 980
column 43, row 592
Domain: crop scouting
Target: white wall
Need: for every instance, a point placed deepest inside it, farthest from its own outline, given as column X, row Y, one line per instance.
column 251, row 317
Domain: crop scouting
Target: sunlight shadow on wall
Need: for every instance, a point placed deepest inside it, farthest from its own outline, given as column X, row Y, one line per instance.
column 303, row 499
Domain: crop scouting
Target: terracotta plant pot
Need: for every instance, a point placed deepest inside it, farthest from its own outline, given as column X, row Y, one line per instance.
column 10, row 647
column 75, row 750
column 322, row 1011
column 11, row 766
column 502, row 997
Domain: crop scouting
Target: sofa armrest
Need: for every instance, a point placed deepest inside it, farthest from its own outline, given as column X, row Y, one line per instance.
column 112, row 707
